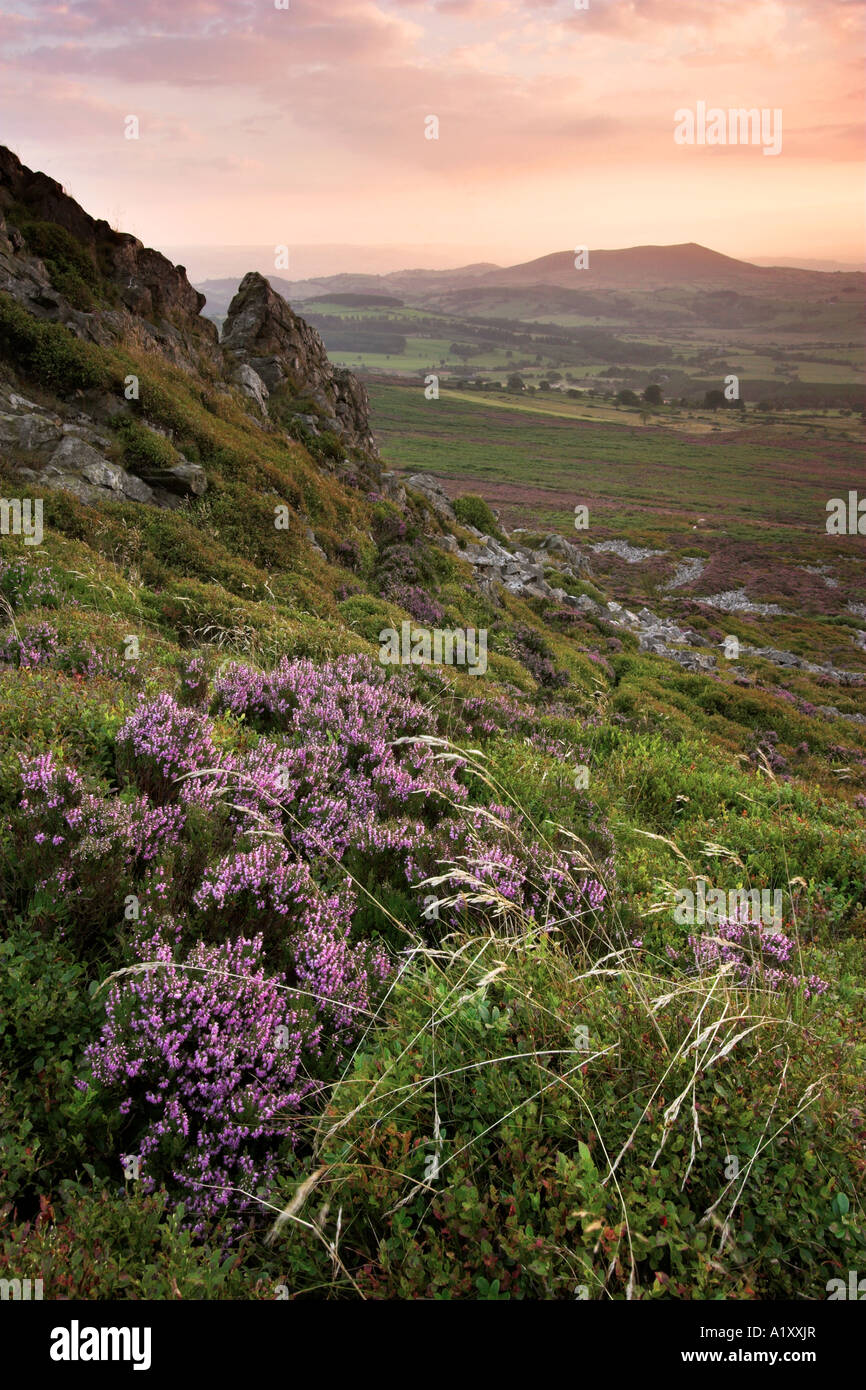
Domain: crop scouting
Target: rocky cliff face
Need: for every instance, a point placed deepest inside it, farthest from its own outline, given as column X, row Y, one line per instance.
column 262, row 333
column 125, row 290
column 62, row 266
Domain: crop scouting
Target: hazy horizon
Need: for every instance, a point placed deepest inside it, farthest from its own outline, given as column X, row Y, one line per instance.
column 217, row 262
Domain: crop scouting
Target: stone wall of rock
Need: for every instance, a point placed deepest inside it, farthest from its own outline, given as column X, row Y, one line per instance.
column 263, row 334
column 143, row 300
column 152, row 299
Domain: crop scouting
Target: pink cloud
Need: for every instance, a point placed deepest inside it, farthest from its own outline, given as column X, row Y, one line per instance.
column 233, row 94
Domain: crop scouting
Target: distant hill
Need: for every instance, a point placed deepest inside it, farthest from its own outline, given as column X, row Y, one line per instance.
column 651, row 267
column 635, row 267
column 653, row 286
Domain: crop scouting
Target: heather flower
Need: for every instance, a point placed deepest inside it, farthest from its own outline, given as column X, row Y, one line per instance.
column 307, row 927
column 27, row 583
column 206, row 1056
column 755, row 956
column 35, row 645
column 160, row 744
column 489, row 861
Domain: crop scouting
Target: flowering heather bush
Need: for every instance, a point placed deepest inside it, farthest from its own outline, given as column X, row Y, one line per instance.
column 765, row 745
column 194, row 682
column 405, row 572
column 338, row 771
column 417, row 602
column 758, row 957
column 488, row 855
column 39, row 645
column 26, row 583
column 86, row 844
column 49, row 792
column 254, row 857
column 483, row 714
column 353, row 698
column 534, row 653
column 488, row 716
column 198, row 1056
column 347, row 553
column 160, row 743
column 309, row 928
column 32, row 646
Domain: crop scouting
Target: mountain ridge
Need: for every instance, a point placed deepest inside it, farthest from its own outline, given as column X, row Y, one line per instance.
column 683, row 267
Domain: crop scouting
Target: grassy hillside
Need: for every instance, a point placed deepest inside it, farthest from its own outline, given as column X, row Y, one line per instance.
column 385, row 964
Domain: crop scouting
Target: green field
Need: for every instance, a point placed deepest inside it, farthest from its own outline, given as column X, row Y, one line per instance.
column 748, row 496
column 750, row 478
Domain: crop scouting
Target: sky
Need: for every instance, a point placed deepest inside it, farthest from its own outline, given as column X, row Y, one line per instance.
column 307, row 125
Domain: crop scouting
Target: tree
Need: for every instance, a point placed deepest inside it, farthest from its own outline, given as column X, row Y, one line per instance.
column 714, row 399
column 653, row 394
column 515, row 382
column 627, row 398
column 544, row 386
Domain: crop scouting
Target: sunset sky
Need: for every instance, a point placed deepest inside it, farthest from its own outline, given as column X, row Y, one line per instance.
column 266, row 126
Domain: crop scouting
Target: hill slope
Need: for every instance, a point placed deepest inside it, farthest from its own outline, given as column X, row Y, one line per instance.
column 278, row 913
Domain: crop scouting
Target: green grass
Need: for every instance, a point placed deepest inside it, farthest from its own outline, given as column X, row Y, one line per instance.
column 526, row 1126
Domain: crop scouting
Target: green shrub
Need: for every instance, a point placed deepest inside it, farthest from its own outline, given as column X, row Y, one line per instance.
column 113, row 1242
column 472, row 510
column 46, row 1020
column 49, row 353
column 529, row 1087
column 145, row 452
column 72, row 269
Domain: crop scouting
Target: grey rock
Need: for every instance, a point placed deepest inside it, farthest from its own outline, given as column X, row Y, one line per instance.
column 262, row 331
column 686, row 572
column 30, row 431
column 393, row 488
column 633, row 555
column 252, row 385
column 314, row 544
column 76, row 466
column 75, row 455
column 448, row 543
column 190, row 479
column 737, row 601
column 434, row 492
column 135, row 489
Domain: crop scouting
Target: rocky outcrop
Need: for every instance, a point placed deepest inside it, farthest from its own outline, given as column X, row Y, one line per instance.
column 524, row 573
column 252, row 385
column 63, row 266
column 138, row 293
column 262, row 333
column 738, row 601
column 431, row 489
column 65, row 448
column 632, row 554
